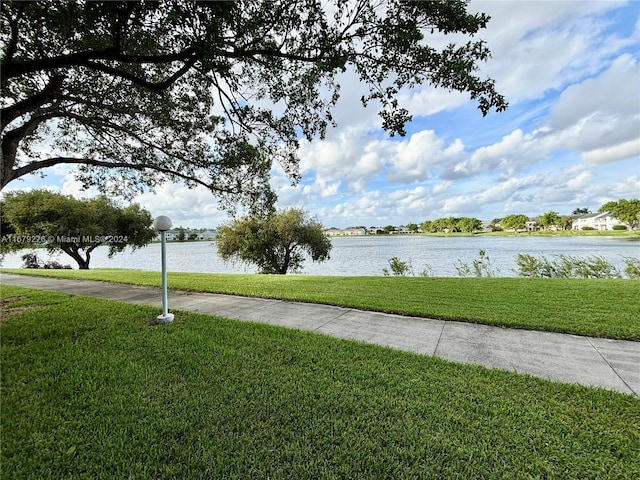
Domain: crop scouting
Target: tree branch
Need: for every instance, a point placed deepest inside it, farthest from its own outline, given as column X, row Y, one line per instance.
column 14, row 69
column 154, row 87
column 50, row 92
column 50, row 162
column 13, row 41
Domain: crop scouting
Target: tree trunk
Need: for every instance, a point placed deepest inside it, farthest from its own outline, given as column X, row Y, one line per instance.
column 282, row 269
column 83, row 264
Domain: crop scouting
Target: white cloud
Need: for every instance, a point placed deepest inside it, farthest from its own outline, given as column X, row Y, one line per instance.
column 581, row 181
column 611, row 154
column 195, row 208
column 614, row 92
column 538, row 46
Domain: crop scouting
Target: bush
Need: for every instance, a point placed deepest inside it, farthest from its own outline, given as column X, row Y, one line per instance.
column 633, row 267
column 398, row 268
column 587, row 228
column 481, row 267
column 31, row 260
column 620, row 227
column 565, row 266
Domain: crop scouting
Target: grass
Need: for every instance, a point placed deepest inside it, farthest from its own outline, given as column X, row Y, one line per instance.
column 89, row 390
column 600, row 308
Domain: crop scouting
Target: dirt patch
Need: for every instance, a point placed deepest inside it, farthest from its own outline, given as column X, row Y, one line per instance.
column 6, row 308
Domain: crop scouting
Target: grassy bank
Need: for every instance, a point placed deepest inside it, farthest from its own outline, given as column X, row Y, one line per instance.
column 601, row 308
column 90, row 391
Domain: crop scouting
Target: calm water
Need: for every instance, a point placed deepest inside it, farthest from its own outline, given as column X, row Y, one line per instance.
column 359, row 256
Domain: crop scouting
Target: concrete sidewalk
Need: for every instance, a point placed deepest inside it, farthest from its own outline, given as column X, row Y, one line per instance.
column 610, row 364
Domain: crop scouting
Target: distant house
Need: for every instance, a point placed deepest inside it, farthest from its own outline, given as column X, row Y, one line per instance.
column 354, row 231
column 597, row 221
column 207, row 235
column 531, row 225
column 337, row 232
column 332, row 232
column 169, row 235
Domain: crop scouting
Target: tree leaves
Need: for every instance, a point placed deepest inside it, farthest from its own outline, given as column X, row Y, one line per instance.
column 77, row 227
column 141, row 93
column 275, row 243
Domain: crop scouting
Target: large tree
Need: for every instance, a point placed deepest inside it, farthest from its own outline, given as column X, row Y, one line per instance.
column 211, row 93
column 62, row 223
column 627, row 211
column 276, row 243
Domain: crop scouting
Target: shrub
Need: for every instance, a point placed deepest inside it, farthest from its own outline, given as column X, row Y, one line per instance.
column 398, row 268
column 633, row 267
column 620, row 227
column 481, row 267
column 587, row 227
column 565, row 266
column 31, row 260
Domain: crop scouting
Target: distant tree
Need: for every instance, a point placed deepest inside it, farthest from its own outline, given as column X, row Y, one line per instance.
column 515, row 222
column 494, row 225
column 445, row 224
column 549, row 219
column 412, row 227
column 627, row 211
column 566, row 222
column 193, row 236
column 275, row 243
column 427, row 226
column 389, row 228
column 451, row 224
column 581, row 211
column 469, row 225
column 181, row 236
column 438, row 225
column 62, row 223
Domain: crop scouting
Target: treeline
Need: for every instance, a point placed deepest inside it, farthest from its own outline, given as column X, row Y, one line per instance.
column 627, row 211
column 452, row 224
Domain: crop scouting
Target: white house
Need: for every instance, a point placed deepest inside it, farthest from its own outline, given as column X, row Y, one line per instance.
column 597, row 221
column 207, row 235
column 531, row 225
column 336, row 232
column 169, row 235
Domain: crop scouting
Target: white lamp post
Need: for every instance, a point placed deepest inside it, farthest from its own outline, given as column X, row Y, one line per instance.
column 162, row 224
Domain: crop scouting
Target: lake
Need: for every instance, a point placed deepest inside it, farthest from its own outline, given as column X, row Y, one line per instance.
column 368, row 255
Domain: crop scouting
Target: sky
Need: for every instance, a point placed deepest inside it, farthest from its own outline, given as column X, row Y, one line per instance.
column 569, row 139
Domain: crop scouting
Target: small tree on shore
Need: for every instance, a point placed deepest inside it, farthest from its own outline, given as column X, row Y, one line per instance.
column 276, row 243
column 62, row 223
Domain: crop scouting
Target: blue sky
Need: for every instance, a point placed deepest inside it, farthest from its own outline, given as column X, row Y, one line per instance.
column 571, row 137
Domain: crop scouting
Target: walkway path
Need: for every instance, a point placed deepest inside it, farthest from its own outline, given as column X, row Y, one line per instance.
column 611, row 364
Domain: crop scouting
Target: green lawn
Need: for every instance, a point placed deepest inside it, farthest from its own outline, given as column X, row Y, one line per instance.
column 601, row 308
column 89, row 390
